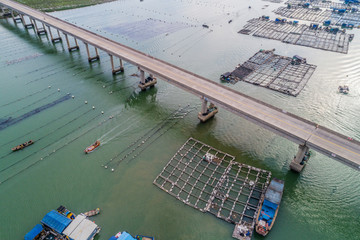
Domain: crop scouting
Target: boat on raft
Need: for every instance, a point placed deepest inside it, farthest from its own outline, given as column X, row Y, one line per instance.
column 92, row 147
column 126, row 236
column 344, row 89
column 92, row 212
column 269, row 207
column 22, row 146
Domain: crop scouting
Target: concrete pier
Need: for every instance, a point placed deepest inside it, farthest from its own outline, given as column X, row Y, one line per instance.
column 16, row 19
column 146, row 82
column 300, row 159
column 39, row 30
column 116, row 70
column 57, row 39
column 76, row 47
column 27, row 25
column 207, row 112
column 90, row 59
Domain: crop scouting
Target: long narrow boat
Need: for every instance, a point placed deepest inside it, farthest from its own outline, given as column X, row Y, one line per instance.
column 22, row 146
column 92, row 212
column 269, row 207
column 92, row 147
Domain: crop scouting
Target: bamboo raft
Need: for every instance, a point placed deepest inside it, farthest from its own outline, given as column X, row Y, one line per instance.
column 298, row 34
column 211, row 181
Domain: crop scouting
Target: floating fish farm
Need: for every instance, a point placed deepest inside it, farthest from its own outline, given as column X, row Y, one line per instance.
column 211, row 181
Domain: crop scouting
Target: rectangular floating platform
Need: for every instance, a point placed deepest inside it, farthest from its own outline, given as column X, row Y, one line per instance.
column 211, row 181
column 276, row 72
column 297, row 34
column 319, row 15
column 322, row 4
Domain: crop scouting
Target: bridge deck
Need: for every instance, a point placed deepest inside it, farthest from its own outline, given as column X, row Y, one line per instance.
column 285, row 124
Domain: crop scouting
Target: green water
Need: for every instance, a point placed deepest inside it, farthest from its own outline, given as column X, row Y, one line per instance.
column 320, row 203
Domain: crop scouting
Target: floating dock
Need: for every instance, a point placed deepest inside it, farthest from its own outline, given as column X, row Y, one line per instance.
column 211, row 181
column 322, row 4
column 303, row 35
column 320, row 16
column 279, row 73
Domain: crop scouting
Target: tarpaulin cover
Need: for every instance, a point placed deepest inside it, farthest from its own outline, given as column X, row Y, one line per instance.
column 34, row 232
column 56, row 221
column 125, row 236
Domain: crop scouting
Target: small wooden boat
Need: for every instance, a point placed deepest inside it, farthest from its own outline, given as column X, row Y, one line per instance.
column 269, row 207
column 22, row 146
column 92, row 147
column 92, row 212
column 343, row 89
column 141, row 237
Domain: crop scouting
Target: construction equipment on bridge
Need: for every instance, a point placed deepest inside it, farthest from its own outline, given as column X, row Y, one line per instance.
column 300, row 159
column 212, row 181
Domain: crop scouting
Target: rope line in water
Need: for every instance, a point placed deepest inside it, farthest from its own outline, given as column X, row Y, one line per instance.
column 19, row 99
column 11, row 165
column 12, row 121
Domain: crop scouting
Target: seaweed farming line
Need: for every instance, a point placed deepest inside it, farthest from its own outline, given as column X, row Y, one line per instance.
column 144, row 138
column 303, row 35
column 11, row 121
column 29, row 105
column 33, row 153
column 22, row 98
column 211, row 181
column 15, row 61
column 194, row 42
column 45, row 125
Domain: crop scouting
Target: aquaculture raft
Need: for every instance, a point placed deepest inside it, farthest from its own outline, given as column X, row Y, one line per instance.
column 211, row 181
column 321, row 3
column 279, row 73
column 296, row 34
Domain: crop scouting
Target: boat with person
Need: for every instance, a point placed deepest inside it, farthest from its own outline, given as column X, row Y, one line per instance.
column 22, row 146
column 344, row 89
column 92, row 212
column 92, row 147
column 126, row 236
column 269, row 207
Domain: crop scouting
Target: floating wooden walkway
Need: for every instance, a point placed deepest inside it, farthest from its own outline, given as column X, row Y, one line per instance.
column 298, row 35
column 275, row 72
column 319, row 16
column 219, row 185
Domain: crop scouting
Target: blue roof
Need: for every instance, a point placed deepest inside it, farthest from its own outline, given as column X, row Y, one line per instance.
column 113, row 238
column 125, row 236
column 34, row 232
column 56, row 221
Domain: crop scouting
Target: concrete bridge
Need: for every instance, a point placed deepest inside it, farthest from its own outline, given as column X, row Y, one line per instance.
column 301, row 131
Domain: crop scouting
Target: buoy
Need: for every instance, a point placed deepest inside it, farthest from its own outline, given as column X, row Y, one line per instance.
column 49, row 86
column 102, row 112
column 105, row 166
column 73, row 96
column 58, row 89
column 85, row 102
column 112, row 169
column 103, row 86
column 93, row 107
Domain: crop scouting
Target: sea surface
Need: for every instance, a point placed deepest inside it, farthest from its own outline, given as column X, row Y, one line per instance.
column 43, row 90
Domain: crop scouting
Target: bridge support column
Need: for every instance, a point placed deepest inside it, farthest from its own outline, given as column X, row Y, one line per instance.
column 15, row 19
column 146, row 82
column 300, row 159
column 54, row 40
column 27, row 26
column 76, row 47
column 116, row 70
column 90, row 59
column 39, row 30
column 207, row 112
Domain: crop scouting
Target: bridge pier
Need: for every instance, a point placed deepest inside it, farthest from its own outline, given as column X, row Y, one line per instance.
column 300, row 159
column 207, row 112
column 27, row 26
column 90, row 59
column 146, row 82
column 15, row 19
column 76, row 47
column 116, row 70
column 39, row 31
column 54, row 40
